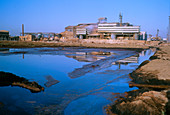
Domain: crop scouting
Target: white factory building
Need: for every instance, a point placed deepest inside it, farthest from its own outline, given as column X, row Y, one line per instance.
column 107, row 30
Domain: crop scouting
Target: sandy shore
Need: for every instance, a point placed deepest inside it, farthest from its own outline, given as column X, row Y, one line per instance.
column 153, row 79
column 82, row 43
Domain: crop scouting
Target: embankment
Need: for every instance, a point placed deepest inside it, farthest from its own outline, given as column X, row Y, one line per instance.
column 153, row 79
column 126, row 44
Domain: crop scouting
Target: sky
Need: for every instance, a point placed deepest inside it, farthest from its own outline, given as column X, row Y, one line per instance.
column 55, row 15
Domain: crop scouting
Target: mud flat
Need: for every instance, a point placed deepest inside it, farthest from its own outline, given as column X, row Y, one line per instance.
column 127, row 44
column 153, row 80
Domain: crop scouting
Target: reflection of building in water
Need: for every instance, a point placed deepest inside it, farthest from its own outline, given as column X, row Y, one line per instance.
column 86, row 58
column 23, row 56
column 142, row 53
column 132, row 59
column 147, row 52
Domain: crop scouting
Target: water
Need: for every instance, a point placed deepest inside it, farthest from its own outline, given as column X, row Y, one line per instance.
column 87, row 82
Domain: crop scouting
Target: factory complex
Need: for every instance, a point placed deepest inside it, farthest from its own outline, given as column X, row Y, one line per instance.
column 99, row 30
column 106, row 30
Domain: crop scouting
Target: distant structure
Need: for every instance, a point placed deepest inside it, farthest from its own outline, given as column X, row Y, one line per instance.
column 22, row 29
column 105, row 30
column 102, row 20
column 120, row 17
column 24, row 37
column 4, row 35
column 168, row 35
column 142, row 36
column 157, row 33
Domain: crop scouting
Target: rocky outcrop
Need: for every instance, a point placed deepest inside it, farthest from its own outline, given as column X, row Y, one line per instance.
column 146, row 103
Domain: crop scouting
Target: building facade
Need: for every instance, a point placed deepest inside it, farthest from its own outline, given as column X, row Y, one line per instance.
column 4, row 35
column 117, row 31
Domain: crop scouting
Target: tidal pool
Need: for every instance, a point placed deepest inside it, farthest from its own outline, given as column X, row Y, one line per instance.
column 75, row 81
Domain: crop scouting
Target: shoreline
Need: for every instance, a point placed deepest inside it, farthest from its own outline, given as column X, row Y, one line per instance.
column 152, row 78
column 135, row 45
column 153, row 95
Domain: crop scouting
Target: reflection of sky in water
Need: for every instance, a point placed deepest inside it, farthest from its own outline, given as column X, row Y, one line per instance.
column 86, row 94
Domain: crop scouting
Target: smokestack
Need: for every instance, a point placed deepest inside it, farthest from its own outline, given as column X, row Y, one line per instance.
column 157, row 32
column 22, row 29
column 120, row 17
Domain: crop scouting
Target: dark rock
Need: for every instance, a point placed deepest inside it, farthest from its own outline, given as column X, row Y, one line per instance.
column 168, row 104
column 147, row 103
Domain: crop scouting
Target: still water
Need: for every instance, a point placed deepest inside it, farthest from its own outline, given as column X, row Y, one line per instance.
column 87, row 82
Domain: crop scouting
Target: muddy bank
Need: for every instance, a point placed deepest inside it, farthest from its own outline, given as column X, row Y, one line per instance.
column 9, row 79
column 81, row 43
column 141, row 102
column 153, row 80
column 156, row 71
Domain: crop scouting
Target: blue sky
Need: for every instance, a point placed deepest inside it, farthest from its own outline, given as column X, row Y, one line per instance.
column 55, row 15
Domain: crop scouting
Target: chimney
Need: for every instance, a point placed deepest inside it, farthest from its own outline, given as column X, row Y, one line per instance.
column 22, row 29
column 120, row 17
column 157, row 32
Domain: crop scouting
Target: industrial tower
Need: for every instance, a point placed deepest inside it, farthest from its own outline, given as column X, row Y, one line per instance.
column 120, row 18
column 168, row 35
column 22, row 29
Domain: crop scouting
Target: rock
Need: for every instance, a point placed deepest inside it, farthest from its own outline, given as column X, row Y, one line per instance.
column 168, row 104
column 149, row 103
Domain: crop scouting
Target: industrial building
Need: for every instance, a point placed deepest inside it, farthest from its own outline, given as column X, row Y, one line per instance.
column 36, row 36
column 107, row 30
column 142, row 36
column 4, row 35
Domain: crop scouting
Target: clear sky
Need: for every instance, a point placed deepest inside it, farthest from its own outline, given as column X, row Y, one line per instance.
column 55, row 15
